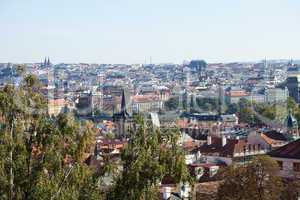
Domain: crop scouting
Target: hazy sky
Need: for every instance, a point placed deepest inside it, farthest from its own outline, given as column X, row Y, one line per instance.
column 128, row 31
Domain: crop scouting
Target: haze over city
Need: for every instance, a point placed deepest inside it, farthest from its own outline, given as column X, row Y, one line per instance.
column 132, row 31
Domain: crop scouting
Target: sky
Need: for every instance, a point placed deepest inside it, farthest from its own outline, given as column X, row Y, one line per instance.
column 132, row 31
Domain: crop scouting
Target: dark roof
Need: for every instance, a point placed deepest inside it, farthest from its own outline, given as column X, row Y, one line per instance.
column 293, row 69
column 291, row 150
column 275, row 135
column 200, row 117
column 232, row 146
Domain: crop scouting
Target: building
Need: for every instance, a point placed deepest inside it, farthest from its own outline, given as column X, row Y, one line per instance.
column 233, row 95
column 288, row 159
column 275, row 95
column 228, row 150
column 146, row 103
column 293, row 83
column 122, row 119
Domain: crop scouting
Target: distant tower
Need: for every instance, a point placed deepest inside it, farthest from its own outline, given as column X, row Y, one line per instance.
column 192, row 106
column 122, row 117
column 45, row 62
column 292, row 126
column 48, row 62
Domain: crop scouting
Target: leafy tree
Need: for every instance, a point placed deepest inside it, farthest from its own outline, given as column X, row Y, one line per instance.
column 207, row 103
column 291, row 190
column 253, row 181
column 172, row 103
column 45, row 155
column 149, row 156
column 232, row 108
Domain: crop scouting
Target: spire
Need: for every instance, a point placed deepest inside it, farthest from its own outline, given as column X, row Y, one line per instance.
column 45, row 62
column 123, row 102
column 48, row 62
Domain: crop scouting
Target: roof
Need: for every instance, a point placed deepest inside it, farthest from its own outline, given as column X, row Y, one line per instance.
column 274, row 135
column 144, row 98
column 231, row 147
column 201, row 117
column 293, row 69
column 290, row 150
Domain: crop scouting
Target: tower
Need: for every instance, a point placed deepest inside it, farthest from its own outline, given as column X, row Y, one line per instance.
column 48, row 62
column 293, row 82
column 292, row 126
column 45, row 62
column 121, row 118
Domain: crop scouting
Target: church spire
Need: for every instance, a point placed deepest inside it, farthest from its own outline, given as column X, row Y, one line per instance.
column 48, row 62
column 45, row 62
column 123, row 102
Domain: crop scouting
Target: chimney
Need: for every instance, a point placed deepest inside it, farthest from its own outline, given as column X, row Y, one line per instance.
column 208, row 140
column 166, row 193
column 224, row 140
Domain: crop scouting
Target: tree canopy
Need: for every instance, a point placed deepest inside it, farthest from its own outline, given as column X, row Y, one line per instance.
column 149, row 156
column 42, row 156
column 255, row 180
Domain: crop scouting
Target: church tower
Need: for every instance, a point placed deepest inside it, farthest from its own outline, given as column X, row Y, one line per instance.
column 121, row 118
column 292, row 126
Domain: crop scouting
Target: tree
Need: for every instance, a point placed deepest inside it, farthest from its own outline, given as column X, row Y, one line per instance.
column 207, row 103
column 149, row 156
column 172, row 103
column 232, row 108
column 253, row 181
column 291, row 190
column 45, row 154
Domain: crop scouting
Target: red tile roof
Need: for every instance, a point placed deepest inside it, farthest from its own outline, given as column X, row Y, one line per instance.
column 291, row 150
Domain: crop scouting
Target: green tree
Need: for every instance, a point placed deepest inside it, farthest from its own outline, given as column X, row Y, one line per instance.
column 172, row 103
column 253, row 181
column 232, row 108
column 45, row 155
column 149, row 156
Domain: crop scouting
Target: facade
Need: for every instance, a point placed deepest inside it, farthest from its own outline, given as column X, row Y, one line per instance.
column 293, row 83
column 228, row 151
column 146, row 103
column 274, row 95
column 288, row 159
column 234, row 95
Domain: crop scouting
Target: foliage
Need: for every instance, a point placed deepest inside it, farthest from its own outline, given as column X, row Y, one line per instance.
column 291, row 190
column 172, row 103
column 149, row 156
column 43, row 156
column 253, row 181
column 207, row 103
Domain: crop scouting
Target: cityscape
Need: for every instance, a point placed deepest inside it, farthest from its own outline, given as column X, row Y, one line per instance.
column 200, row 126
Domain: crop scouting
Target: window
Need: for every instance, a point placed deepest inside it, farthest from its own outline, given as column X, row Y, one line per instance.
column 280, row 164
column 258, row 147
column 296, row 167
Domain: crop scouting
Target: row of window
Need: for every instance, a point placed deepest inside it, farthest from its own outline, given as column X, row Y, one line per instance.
column 296, row 166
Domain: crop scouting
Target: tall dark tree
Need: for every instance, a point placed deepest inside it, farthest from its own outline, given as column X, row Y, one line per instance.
column 149, row 156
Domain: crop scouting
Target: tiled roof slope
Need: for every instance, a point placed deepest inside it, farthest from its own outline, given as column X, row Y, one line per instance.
column 291, row 150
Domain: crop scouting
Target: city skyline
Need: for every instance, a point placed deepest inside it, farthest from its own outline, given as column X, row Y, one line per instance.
column 132, row 31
